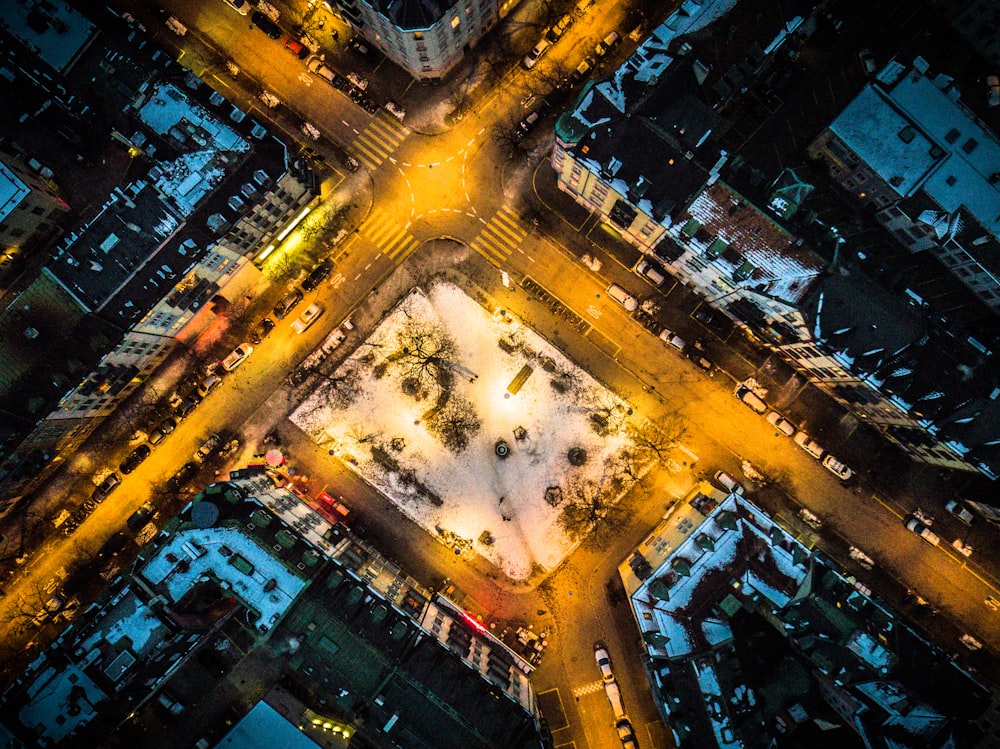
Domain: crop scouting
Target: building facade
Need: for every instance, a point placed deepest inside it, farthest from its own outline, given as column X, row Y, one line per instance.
column 30, row 207
column 427, row 38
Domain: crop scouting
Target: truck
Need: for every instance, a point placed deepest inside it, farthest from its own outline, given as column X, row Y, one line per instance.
column 914, row 525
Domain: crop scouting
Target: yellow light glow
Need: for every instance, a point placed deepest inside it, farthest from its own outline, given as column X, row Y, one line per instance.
column 295, row 222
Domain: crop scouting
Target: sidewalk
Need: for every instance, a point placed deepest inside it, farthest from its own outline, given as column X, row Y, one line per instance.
column 885, row 469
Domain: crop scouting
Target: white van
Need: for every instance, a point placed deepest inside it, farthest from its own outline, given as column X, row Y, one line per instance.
column 317, row 66
column 728, row 483
column 651, row 272
column 623, row 298
column 615, row 698
column 750, row 399
column 808, row 444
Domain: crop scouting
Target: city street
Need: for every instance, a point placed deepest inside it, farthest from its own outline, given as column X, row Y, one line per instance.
column 449, row 201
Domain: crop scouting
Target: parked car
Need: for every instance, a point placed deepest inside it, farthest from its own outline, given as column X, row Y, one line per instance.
column 208, row 447
column 317, row 274
column 209, row 384
column 134, row 459
column 780, row 423
column 607, row 44
column 187, row 405
column 261, row 330
column 581, row 70
column 296, row 47
column 183, row 474
column 160, row 432
column 603, row 662
column 960, row 511
column 265, row 24
column 651, row 271
column 620, row 295
column 559, row 28
column 837, row 468
column 626, row 734
column 240, row 6
column 307, row 318
column 237, row 357
column 728, row 483
column 536, row 53
column 866, row 61
column 286, row 305
column 110, row 483
column 700, row 360
column 525, row 126
column 750, row 399
column 669, row 336
column 921, row 529
column 808, row 444
column 993, row 91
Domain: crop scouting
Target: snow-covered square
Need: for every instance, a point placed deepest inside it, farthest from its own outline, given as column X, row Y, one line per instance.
column 472, row 424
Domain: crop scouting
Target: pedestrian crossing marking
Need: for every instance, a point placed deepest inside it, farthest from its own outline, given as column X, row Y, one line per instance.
column 500, row 237
column 385, row 233
column 378, row 140
column 591, row 688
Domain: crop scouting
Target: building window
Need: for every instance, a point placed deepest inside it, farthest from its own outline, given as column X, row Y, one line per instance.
column 970, row 145
column 455, row 21
column 952, row 135
column 907, row 134
column 418, row 35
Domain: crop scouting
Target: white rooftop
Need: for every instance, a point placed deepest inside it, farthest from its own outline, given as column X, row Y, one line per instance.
column 202, row 549
column 965, row 152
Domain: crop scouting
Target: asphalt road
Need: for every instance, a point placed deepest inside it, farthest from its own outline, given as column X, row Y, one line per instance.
column 457, row 183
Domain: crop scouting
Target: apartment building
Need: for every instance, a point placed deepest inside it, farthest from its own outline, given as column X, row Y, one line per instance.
column 928, row 167
column 427, row 38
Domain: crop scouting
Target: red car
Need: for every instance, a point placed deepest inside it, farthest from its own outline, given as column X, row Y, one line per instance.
column 294, row 46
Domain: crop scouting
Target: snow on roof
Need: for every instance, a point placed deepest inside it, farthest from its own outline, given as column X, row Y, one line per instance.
column 973, row 151
column 707, row 548
column 870, row 650
column 166, row 107
column 886, row 140
column 188, row 179
column 128, row 618
column 717, row 714
column 54, row 31
column 476, row 488
column 916, row 136
column 650, row 58
column 204, row 142
column 779, row 269
column 175, row 579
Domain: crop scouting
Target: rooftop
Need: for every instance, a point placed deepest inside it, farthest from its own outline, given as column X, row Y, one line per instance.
column 719, row 563
column 911, row 128
column 736, row 233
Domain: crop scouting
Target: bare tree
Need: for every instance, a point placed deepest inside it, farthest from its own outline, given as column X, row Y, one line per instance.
column 655, row 438
column 423, row 356
column 509, row 142
column 456, row 423
column 359, row 434
column 591, row 511
column 342, row 388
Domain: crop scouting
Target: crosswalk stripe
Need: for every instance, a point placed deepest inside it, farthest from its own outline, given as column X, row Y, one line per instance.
column 388, row 236
column 501, row 235
column 379, row 139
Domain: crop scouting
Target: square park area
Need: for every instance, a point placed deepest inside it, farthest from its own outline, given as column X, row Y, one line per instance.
column 473, row 425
